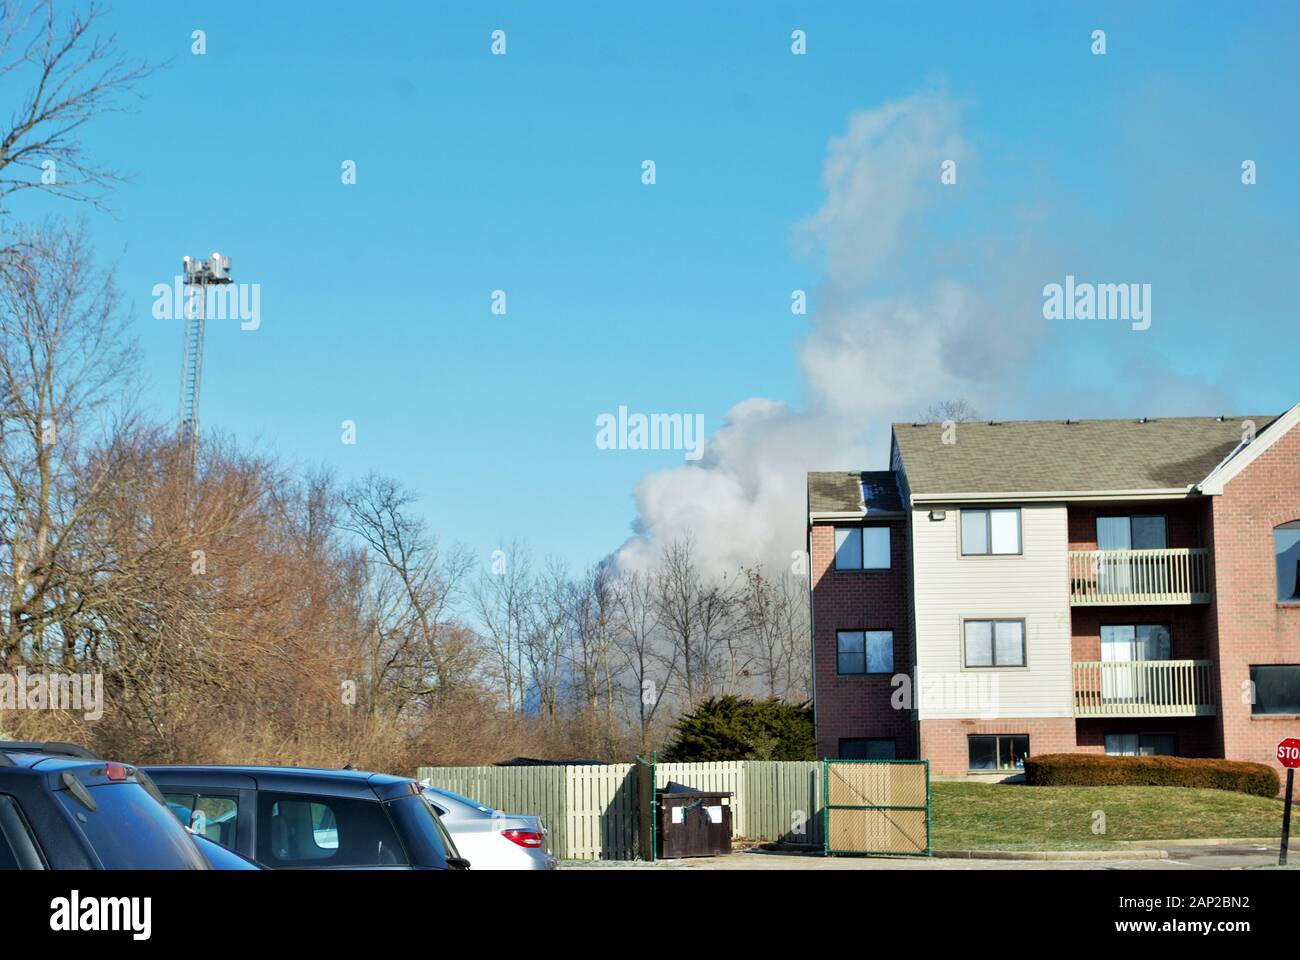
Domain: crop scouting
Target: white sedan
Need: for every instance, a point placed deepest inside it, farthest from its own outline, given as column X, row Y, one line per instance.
column 489, row 839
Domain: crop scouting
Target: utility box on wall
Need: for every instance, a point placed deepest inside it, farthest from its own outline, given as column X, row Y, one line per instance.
column 692, row 823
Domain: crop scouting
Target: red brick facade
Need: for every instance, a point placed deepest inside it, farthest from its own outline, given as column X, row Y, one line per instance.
column 859, row 706
column 1249, row 626
column 1243, row 625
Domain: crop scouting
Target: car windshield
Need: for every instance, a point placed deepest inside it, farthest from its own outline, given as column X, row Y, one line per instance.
column 130, row 830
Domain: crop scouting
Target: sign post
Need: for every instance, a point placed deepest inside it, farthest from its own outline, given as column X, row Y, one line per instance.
column 1288, row 754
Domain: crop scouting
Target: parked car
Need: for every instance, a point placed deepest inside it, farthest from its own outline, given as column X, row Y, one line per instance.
column 297, row 818
column 64, row 808
column 489, row 839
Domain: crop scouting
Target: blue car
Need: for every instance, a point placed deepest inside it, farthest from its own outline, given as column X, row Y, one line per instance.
column 297, row 818
column 64, row 808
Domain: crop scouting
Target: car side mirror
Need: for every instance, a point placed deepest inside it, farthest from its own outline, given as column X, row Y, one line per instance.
column 458, row 863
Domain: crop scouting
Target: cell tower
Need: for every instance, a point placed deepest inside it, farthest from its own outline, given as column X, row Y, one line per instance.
column 199, row 275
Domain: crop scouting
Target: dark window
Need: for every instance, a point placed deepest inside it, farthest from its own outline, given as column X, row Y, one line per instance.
column 867, row 748
column 1286, row 549
column 990, row 532
column 130, row 830
column 865, row 651
column 1277, row 688
column 998, row 752
column 1141, row 744
column 994, row 643
column 315, row 831
column 861, row 548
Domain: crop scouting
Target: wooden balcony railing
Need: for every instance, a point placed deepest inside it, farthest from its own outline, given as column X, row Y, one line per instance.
column 1145, row 688
column 1112, row 577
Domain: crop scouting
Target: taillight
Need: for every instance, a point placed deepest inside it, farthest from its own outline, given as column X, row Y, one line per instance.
column 525, row 838
column 115, row 771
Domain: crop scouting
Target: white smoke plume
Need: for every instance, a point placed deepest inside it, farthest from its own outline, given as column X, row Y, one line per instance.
column 910, row 311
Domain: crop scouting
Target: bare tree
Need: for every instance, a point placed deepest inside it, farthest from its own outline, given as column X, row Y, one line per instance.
column 956, row 410
column 71, row 74
column 64, row 358
column 650, row 668
column 414, row 584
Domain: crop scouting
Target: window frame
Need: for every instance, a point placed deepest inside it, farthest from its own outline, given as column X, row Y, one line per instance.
column 1294, row 600
column 997, row 753
column 862, row 548
column 993, row 643
column 1140, row 734
column 1254, row 692
column 866, row 660
column 988, row 531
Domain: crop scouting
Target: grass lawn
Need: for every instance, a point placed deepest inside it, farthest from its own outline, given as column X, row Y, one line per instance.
column 978, row 816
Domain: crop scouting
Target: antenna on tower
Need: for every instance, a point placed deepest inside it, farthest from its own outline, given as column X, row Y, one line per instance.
column 199, row 274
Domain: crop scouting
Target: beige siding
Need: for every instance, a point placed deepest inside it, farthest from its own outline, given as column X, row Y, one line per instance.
column 1032, row 587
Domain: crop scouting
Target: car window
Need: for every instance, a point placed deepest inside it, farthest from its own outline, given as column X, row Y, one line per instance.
column 313, row 831
column 214, row 816
column 130, row 830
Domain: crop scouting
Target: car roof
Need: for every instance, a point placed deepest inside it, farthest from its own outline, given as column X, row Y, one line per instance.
column 22, row 755
column 340, row 782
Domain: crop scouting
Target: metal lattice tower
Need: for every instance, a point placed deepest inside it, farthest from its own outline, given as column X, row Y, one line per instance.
column 199, row 275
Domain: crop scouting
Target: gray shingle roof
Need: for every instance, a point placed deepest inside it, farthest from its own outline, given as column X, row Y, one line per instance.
column 1042, row 456
column 842, row 492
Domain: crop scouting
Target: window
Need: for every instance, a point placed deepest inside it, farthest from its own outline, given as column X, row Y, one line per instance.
column 1142, row 641
column 861, row 548
column 985, row 532
column 216, row 817
column 867, row 748
column 865, row 651
column 995, row 643
column 1131, row 533
column 1001, row 752
column 1277, row 688
column 1140, row 744
column 311, row 831
column 1286, row 548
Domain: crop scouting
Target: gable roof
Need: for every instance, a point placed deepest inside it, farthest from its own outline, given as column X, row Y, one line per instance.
column 866, row 492
column 1075, row 458
column 1244, row 454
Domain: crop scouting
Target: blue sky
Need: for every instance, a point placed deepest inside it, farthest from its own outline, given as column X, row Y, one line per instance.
column 522, row 173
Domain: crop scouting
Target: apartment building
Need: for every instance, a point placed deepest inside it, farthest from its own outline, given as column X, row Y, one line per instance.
column 1109, row 586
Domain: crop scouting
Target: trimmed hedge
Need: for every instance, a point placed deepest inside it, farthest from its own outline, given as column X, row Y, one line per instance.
column 1098, row 770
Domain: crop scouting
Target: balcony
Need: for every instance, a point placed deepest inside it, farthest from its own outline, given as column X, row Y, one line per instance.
column 1107, row 578
column 1145, row 688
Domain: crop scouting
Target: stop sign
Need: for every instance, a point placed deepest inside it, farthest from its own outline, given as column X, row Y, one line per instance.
column 1288, row 752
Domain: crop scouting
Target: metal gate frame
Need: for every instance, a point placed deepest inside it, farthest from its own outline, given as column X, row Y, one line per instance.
column 647, row 808
column 827, row 808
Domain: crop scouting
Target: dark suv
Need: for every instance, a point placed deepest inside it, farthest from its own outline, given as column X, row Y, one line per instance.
column 63, row 808
column 294, row 818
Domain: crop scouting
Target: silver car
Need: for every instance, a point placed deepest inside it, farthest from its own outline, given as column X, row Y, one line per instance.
column 489, row 839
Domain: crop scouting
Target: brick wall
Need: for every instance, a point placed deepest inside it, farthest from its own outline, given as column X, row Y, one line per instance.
column 944, row 742
column 1185, row 523
column 857, row 705
column 1250, row 626
column 1190, row 628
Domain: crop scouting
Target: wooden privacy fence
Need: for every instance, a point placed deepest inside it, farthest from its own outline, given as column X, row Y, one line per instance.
column 594, row 812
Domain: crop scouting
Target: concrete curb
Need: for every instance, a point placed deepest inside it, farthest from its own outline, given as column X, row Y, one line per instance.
column 1209, row 842
column 1132, row 854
